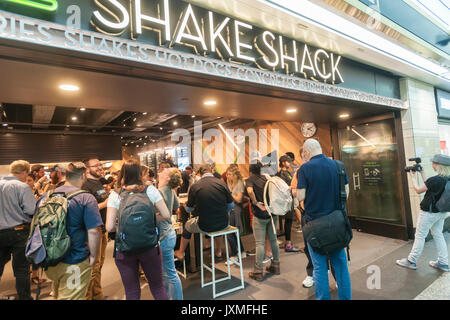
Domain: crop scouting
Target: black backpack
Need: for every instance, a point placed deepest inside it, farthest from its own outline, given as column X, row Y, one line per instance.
column 443, row 204
column 137, row 226
column 332, row 232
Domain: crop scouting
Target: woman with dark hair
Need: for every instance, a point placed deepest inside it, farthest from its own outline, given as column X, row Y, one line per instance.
column 130, row 182
column 262, row 223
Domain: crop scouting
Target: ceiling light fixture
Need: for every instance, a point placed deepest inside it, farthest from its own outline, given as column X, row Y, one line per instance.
column 210, row 103
column 4, row 124
column 291, row 110
column 175, row 123
column 192, row 116
column 145, row 113
column 74, row 118
column 69, row 87
column 344, row 115
column 82, row 109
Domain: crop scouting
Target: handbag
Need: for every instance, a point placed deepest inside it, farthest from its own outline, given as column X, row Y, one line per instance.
column 332, row 232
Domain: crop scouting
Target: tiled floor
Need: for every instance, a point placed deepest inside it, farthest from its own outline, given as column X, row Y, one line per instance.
column 367, row 252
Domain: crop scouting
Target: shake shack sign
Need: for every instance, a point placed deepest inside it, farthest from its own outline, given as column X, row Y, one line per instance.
column 179, row 25
column 176, row 34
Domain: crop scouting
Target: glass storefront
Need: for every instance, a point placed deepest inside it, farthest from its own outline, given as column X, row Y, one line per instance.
column 369, row 152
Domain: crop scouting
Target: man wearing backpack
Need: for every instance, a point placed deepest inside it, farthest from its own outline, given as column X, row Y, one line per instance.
column 72, row 275
column 319, row 187
column 17, row 206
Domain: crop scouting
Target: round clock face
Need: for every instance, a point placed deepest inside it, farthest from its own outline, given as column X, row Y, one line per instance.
column 308, row 129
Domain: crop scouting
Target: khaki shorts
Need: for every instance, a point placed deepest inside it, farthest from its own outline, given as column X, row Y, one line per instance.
column 70, row 281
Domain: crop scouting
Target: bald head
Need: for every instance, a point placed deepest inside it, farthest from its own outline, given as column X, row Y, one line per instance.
column 311, row 148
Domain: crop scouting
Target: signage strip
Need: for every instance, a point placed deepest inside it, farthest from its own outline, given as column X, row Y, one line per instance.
column 25, row 29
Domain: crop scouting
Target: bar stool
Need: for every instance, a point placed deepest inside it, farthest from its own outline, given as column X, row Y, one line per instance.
column 212, row 235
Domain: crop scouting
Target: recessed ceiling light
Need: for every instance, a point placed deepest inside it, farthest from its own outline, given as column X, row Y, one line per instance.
column 291, row 110
column 210, row 103
column 4, row 124
column 160, row 128
column 344, row 115
column 192, row 116
column 145, row 113
column 69, row 87
column 175, row 123
column 74, row 118
column 82, row 109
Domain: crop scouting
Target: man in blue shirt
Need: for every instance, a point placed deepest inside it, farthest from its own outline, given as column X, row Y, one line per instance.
column 71, row 277
column 318, row 186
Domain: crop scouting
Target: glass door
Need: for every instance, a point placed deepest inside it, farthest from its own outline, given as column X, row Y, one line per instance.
column 369, row 152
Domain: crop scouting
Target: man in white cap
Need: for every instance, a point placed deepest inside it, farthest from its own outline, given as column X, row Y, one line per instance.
column 430, row 218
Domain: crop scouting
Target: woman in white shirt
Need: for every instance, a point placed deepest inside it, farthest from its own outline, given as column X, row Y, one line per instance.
column 130, row 180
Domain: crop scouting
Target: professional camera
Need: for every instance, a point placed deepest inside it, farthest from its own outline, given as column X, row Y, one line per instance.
column 417, row 167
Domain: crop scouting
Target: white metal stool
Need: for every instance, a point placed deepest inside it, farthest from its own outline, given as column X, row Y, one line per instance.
column 230, row 261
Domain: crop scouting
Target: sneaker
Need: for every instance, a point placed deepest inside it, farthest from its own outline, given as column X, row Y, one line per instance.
column 251, row 252
column 437, row 265
column 267, row 258
column 308, row 282
column 291, row 248
column 407, row 264
column 235, row 258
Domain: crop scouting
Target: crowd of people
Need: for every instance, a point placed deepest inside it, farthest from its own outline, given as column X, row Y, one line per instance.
column 134, row 207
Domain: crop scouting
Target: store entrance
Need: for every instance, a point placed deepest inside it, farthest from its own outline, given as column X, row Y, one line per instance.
column 370, row 152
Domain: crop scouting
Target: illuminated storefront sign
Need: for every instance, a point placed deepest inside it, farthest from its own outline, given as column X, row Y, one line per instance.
column 47, row 5
column 175, row 34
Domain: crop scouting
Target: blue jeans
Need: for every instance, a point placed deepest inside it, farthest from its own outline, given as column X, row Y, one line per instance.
column 434, row 222
column 320, row 274
column 171, row 279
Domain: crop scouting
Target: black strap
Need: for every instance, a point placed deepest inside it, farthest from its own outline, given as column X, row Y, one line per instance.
column 343, row 197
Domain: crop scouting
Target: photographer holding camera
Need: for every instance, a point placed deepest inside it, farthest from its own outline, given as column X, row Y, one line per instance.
column 430, row 217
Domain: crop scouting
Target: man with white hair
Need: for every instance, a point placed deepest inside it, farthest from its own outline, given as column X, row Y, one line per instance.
column 319, row 187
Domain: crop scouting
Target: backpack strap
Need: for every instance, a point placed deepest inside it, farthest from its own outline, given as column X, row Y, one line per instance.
column 343, row 198
column 74, row 194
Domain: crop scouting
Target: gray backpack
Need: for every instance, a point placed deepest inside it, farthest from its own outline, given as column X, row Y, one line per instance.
column 443, row 204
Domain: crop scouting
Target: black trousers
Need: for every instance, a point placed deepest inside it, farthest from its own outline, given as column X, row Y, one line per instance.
column 13, row 243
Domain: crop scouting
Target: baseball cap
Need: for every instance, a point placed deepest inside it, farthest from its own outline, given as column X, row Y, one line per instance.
column 441, row 159
column 285, row 158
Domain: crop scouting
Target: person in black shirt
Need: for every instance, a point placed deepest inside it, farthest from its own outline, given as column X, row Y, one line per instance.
column 212, row 200
column 262, row 223
column 94, row 186
column 430, row 218
column 186, row 176
column 286, row 175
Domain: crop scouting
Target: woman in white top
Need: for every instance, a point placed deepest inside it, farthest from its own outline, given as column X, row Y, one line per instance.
column 130, row 179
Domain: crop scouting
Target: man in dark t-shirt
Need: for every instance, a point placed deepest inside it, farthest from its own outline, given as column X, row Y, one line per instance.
column 212, row 200
column 94, row 185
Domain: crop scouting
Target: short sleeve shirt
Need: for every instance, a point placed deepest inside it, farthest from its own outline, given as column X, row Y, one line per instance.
column 82, row 215
column 210, row 198
column 95, row 187
column 171, row 200
column 435, row 186
column 258, row 182
column 320, row 177
column 152, row 193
